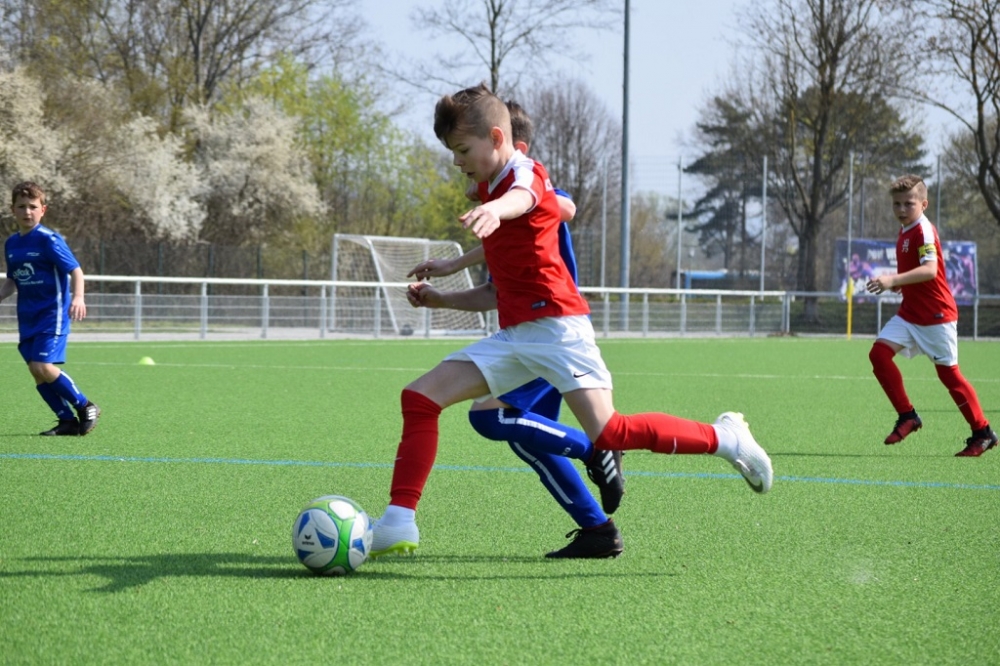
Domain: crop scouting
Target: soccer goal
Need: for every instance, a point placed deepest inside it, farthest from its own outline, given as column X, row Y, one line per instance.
column 376, row 267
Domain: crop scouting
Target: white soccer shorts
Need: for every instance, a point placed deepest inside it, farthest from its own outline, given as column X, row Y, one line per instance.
column 562, row 350
column 938, row 341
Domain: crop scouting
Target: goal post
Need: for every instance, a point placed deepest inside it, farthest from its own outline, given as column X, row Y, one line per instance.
column 382, row 307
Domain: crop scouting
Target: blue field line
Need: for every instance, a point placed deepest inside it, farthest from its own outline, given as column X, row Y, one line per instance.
column 474, row 468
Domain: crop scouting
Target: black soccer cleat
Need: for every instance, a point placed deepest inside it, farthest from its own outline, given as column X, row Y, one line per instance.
column 905, row 424
column 88, row 414
column 62, row 428
column 980, row 442
column 595, row 542
column 605, row 469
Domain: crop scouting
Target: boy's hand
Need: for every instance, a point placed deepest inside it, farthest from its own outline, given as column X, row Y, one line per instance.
column 880, row 284
column 481, row 221
column 432, row 268
column 77, row 309
column 423, row 295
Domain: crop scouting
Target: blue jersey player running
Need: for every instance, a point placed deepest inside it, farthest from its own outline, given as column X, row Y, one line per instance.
column 49, row 284
column 597, row 535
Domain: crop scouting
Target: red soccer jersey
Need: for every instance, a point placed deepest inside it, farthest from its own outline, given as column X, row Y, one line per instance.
column 930, row 302
column 522, row 255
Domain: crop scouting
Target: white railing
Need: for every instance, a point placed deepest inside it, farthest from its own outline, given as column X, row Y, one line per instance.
column 189, row 307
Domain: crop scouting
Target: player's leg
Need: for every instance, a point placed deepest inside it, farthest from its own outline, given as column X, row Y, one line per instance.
column 940, row 343
column 729, row 437
column 422, row 402
column 596, row 534
column 569, row 358
column 42, row 354
column 895, row 337
column 983, row 438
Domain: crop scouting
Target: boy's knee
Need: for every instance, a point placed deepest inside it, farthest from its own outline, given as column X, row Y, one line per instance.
column 880, row 353
column 488, row 423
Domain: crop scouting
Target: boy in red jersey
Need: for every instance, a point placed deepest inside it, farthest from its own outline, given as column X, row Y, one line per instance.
column 545, row 332
column 926, row 323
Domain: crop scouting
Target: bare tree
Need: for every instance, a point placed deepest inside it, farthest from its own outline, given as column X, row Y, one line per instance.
column 504, row 38
column 821, row 68
column 961, row 45
column 574, row 135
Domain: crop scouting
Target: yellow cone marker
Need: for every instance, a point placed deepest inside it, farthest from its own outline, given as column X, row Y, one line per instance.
column 145, row 360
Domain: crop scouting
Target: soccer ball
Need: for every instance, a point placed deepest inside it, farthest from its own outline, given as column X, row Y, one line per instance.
column 332, row 535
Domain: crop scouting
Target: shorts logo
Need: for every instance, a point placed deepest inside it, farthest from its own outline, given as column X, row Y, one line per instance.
column 539, row 304
column 577, row 375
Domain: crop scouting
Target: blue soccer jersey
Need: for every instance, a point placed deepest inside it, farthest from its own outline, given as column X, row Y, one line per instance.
column 40, row 263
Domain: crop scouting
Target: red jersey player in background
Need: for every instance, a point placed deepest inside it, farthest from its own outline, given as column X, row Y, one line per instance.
column 926, row 323
column 545, row 332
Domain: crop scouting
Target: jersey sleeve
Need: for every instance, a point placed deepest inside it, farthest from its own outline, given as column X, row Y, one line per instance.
column 60, row 254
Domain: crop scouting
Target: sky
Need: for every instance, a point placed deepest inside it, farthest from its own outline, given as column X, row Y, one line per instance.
column 681, row 53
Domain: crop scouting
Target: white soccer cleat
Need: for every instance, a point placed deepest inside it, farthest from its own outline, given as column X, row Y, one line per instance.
column 751, row 460
column 390, row 539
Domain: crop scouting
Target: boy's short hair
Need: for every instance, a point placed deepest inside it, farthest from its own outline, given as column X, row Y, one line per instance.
column 521, row 127
column 27, row 189
column 473, row 111
column 909, row 182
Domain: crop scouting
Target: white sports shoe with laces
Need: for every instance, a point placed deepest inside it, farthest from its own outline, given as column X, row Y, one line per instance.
column 388, row 539
column 751, row 460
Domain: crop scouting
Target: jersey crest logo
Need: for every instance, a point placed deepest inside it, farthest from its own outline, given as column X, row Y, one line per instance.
column 906, row 245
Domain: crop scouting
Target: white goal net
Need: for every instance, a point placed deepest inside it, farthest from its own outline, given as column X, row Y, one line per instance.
column 376, row 300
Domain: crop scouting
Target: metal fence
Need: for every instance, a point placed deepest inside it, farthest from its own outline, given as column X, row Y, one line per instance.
column 144, row 308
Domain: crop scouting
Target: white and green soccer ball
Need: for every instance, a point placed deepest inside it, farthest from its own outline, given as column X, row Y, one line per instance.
column 332, row 535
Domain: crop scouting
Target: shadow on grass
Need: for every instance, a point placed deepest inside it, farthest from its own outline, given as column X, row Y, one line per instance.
column 133, row 572
column 129, row 572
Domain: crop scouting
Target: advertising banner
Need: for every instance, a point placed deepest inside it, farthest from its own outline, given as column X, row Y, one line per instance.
column 869, row 258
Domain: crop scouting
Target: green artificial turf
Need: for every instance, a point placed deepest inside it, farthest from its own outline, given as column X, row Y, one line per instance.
column 165, row 535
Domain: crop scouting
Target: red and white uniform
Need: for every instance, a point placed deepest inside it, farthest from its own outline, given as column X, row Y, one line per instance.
column 522, row 255
column 925, row 303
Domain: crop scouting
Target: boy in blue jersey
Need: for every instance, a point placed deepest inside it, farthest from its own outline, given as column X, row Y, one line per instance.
column 596, row 535
column 49, row 284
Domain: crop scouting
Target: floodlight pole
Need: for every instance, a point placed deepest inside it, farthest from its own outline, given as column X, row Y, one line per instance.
column 763, row 222
column 680, row 215
column 625, row 240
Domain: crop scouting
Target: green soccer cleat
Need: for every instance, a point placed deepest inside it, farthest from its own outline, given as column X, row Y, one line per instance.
column 393, row 539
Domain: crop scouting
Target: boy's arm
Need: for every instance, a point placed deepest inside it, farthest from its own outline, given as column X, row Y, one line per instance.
column 922, row 273
column 77, row 308
column 567, row 209
column 441, row 267
column 485, row 219
column 477, row 299
column 7, row 288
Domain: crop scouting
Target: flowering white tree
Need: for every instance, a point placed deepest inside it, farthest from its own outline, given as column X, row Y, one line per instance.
column 163, row 189
column 29, row 148
column 258, row 181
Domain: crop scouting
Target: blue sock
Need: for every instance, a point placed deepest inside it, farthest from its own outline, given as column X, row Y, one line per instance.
column 563, row 481
column 67, row 390
column 534, row 432
column 62, row 409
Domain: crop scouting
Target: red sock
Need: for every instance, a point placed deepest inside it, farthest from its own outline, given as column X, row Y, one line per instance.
column 963, row 394
column 889, row 376
column 657, row 432
column 417, row 449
